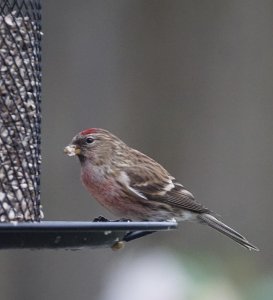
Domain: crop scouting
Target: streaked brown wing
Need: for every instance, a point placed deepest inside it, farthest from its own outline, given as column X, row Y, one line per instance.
column 181, row 198
column 156, row 187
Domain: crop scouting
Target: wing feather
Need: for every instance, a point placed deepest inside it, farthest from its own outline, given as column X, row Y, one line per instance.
column 162, row 188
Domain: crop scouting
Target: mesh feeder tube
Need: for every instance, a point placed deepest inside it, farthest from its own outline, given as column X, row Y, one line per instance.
column 20, row 114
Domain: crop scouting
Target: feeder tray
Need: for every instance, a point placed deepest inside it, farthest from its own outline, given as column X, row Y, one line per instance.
column 74, row 235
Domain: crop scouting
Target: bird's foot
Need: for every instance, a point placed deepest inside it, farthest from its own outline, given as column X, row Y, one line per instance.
column 101, row 219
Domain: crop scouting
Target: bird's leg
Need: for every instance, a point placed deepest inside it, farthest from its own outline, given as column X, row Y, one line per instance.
column 132, row 235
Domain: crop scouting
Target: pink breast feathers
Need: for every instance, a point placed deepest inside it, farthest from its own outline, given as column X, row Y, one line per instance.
column 102, row 189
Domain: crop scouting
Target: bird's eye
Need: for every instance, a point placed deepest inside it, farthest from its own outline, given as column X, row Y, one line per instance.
column 89, row 140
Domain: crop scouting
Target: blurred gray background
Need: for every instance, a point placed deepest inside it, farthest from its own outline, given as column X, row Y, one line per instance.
column 188, row 83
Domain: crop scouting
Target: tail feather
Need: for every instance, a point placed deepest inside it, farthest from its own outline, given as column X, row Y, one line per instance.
column 223, row 228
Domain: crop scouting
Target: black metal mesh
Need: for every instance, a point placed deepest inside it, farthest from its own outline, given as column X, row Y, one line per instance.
column 20, row 115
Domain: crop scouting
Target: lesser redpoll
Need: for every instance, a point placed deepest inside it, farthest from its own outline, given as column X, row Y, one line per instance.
column 132, row 185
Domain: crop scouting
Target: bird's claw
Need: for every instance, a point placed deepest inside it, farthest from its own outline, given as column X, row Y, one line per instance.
column 118, row 245
column 103, row 219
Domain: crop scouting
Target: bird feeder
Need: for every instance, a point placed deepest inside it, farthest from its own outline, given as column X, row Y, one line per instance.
column 21, row 215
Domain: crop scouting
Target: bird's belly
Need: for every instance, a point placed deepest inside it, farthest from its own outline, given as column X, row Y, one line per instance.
column 110, row 195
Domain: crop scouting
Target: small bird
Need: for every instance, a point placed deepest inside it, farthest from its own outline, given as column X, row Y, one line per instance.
column 132, row 185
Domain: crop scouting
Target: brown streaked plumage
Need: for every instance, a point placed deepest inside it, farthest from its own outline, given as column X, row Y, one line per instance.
column 132, row 185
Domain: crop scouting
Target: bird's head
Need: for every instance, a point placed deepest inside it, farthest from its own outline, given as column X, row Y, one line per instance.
column 94, row 144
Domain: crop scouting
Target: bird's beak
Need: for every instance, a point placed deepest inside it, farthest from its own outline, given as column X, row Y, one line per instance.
column 72, row 150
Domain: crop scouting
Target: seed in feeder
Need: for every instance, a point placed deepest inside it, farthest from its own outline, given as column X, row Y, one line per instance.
column 23, row 205
column 4, row 133
column 14, row 184
column 8, row 20
column 10, row 196
column 10, row 177
column 3, row 68
column 6, row 206
column 2, row 196
column 11, row 215
column 19, row 195
column 27, row 215
column 19, row 174
column 3, row 218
